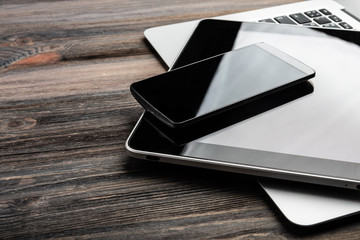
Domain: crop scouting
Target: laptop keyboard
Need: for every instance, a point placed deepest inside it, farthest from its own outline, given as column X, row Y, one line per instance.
column 314, row 18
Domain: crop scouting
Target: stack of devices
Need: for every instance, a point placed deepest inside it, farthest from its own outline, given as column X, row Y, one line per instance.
column 238, row 98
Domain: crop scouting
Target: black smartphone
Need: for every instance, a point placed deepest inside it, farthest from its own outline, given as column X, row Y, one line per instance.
column 207, row 88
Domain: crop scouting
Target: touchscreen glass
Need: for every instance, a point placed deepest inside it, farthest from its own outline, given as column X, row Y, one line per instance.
column 218, row 82
column 318, row 133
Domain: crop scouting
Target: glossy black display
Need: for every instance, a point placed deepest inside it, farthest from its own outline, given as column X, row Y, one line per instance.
column 191, row 93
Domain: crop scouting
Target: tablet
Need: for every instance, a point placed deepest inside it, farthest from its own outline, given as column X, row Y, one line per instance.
column 312, row 139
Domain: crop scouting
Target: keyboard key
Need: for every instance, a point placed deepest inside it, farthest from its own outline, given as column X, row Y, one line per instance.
column 325, row 11
column 331, row 25
column 300, row 18
column 335, row 18
column 322, row 20
column 311, row 24
column 312, row 14
column 345, row 25
column 284, row 20
column 268, row 20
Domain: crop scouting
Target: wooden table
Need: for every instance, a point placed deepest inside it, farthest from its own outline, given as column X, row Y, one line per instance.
column 66, row 111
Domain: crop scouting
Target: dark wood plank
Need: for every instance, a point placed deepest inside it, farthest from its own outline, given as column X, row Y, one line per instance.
column 65, row 114
column 68, row 30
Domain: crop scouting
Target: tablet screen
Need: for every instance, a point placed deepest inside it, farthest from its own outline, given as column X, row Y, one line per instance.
column 322, row 124
column 316, row 134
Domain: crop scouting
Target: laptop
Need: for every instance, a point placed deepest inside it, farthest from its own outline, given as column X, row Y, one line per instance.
column 300, row 203
column 169, row 40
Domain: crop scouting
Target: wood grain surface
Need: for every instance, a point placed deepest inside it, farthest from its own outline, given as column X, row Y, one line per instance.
column 66, row 111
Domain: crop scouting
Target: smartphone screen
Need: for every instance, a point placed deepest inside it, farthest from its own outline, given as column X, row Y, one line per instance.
column 199, row 90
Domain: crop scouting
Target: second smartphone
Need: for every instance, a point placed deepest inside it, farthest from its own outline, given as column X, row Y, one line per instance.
column 215, row 85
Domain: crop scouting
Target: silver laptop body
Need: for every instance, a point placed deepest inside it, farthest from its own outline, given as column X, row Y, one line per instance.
column 301, row 204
